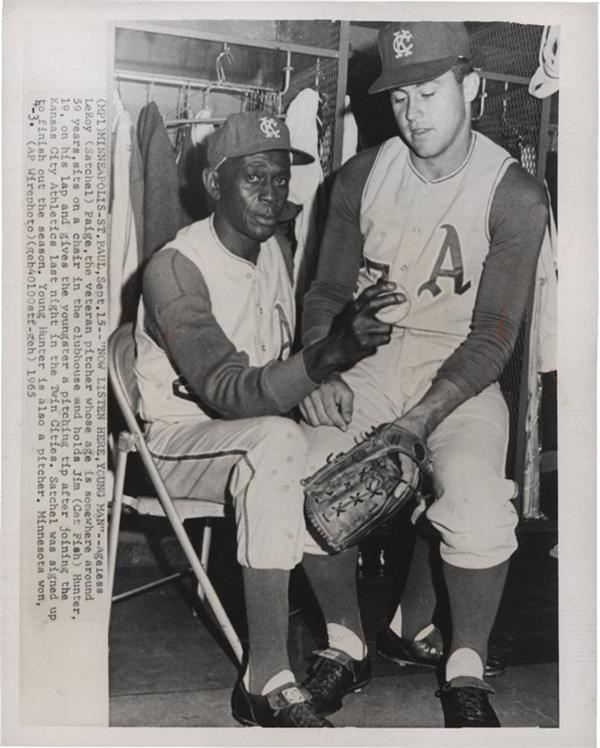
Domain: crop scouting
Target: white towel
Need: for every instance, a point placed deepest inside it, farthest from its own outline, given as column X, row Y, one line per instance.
column 301, row 119
column 350, row 129
column 123, row 257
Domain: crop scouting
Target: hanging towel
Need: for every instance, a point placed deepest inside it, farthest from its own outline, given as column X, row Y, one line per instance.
column 542, row 358
column 163, row 215
column 123, row 257
column 545, row 314
column 545, row 80
column 350, row 130
column 301, row 119
column 202, row 130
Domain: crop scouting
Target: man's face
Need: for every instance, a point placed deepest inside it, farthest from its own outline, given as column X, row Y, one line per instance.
column 252, row 194
column 432, row 116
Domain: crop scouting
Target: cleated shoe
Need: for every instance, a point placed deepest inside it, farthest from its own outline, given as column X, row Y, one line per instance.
column 465, row 703
column 287, row 706
column 427, row 652
column 334, row 674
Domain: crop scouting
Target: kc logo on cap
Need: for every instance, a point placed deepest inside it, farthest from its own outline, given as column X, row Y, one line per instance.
column 413, row 52
column 402, row 43
column 270, row 127
column 247, row 133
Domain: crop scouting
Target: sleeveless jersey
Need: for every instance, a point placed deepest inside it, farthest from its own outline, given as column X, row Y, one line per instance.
column 252, row 304
column 430, row 237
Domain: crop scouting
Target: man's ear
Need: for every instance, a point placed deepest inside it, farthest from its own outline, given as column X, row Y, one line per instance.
column 471, row 86
column 210, row 177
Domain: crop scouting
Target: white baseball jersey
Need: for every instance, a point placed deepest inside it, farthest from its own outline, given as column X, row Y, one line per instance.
column 434, row 241
column 253, row 304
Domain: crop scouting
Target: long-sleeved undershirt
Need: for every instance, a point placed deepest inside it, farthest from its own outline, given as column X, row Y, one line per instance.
column 518, row 219
column 179, row 317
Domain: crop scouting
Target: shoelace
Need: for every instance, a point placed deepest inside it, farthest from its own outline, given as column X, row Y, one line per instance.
column 328, row 673
column 429, row 648
column 471, row 702
column 301, row 715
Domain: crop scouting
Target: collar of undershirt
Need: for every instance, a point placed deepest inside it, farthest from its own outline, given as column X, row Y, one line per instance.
column 228, row 252
column 446, row 176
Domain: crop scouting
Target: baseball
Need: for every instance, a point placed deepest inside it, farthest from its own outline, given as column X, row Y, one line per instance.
column 395, row 313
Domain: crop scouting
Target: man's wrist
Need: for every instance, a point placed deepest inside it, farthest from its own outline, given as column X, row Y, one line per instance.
column 320, row 360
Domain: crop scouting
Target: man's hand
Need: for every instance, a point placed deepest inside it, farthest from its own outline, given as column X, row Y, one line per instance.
column 329, row 405
column 355, row 332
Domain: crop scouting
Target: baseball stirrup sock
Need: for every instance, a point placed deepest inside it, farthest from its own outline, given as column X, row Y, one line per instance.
column 333, row 580
column 266, row 597
column 474, row 596
column 418, row 599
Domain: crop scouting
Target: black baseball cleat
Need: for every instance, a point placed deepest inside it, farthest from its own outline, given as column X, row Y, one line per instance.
column 334, row 674
column 287, row 706
column 465, row 703
column 427, row 652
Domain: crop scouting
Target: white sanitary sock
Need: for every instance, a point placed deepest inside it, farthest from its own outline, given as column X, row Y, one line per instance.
column 396, row 622
column 343, row 638
column 279, row 679
column 396, row 626
column 424, row 632
column 465, row 662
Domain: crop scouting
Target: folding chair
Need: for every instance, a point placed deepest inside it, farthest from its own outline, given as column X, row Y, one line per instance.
column 121, row 357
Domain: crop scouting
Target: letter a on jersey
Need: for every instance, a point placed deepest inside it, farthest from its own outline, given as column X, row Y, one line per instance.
column 450, row 249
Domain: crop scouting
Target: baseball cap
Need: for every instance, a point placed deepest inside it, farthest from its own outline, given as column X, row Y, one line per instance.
column 245, row 133
column 418, row 51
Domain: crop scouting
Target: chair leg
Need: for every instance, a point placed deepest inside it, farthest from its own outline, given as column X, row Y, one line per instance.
column 115, row 519
column 205, row 553
column 212, row 599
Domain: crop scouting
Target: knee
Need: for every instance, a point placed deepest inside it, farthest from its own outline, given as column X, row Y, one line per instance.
column 476, row 522
column 280, row 450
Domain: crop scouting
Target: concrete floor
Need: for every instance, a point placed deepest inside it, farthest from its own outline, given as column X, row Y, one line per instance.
column 168, row 670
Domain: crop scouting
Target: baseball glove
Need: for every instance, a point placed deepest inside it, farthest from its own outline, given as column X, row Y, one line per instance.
column 360, row 489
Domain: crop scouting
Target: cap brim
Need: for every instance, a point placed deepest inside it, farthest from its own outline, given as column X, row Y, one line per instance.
column 410, row 75
column 299, row 157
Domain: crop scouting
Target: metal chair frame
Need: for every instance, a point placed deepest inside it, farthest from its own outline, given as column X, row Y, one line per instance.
column 121, row 357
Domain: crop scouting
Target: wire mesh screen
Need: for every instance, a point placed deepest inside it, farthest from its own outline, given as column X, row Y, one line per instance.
column 510, row 48
column 325, row 34
column 511, row 117
column 321, row 73
column 268, row 101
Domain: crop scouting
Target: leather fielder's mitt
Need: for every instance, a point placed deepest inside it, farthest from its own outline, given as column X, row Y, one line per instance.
column 360, row 489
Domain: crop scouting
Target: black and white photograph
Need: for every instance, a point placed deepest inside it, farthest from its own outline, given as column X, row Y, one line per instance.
column 302, row 417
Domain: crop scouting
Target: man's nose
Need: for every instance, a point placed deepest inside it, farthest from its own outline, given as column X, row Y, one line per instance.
column 268, row 192
column 413, row 108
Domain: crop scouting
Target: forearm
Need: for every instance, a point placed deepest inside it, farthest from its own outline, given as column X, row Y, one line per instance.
column 340, row 253
column 518, row 220
column 179, row 317
column 438, row 402
column 323, row 301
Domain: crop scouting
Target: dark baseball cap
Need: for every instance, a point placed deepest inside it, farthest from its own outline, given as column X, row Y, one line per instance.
column 246, row 133
column 418, row 51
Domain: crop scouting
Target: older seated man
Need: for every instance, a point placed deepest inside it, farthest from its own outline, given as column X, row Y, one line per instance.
column 217, row 378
